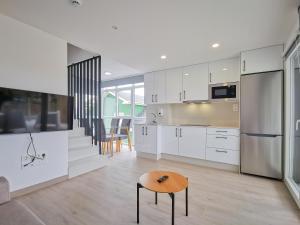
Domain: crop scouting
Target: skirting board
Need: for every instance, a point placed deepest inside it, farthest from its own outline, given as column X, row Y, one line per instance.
column 197, row 162
column 36, row 187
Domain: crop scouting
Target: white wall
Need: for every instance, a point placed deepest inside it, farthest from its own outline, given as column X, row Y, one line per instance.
column 76, row 54
column 32, row 60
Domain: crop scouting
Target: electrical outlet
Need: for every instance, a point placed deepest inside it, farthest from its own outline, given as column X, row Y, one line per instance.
column 235, row 107
column 26, row 160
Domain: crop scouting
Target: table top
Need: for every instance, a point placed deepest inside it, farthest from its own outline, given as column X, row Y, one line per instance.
column 174, row 183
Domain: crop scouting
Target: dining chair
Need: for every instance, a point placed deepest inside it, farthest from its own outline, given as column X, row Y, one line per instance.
column 124, row 134
column 106, row 139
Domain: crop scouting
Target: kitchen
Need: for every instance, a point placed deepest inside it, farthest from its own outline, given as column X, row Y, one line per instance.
column 209, row 114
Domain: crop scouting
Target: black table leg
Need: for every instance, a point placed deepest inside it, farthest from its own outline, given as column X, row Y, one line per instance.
column 186, row 201
column 138, row 202
column 172, row 195
column 155, row 198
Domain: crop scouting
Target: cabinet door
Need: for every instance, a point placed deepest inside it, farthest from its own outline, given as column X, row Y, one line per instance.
column 195, row 82
column 174, row 85
column 262, row 60
column 192, row 142
column 169, row 140
column 149, row 88
column 139, row 131
column 224, row 71
column 150, row 139
column 160, row 87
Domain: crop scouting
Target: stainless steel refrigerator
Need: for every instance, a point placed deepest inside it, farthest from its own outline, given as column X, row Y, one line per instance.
column 262, row 124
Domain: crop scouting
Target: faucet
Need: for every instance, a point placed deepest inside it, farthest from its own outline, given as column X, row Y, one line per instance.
column 154, row 118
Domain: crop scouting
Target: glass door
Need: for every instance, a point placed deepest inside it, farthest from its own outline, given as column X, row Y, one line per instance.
column 295, row 118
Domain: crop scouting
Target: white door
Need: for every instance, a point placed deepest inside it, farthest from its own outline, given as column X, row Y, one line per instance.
column 139, row 131
column 192, row 142
column 149, row 88
column 224, row 71
column 150, row 140
column 160, row 87
column 195, row 82
column 169, row 139
column 174, row 85
column 262, row 60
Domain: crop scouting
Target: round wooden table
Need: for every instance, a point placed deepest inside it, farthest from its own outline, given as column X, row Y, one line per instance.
column 174, row 183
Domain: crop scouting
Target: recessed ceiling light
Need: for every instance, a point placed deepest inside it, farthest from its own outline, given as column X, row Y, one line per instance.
column 163, row 57
column 224, row 69
column 114, row 27
column 107, row 73
column 186, row 74
column 215, row 45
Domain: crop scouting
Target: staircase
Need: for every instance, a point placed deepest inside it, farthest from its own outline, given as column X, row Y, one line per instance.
column 83, row 156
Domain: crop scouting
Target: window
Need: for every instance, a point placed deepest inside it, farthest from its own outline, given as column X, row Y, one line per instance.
column 139, row 104
column 124, row 102
column 109, row 103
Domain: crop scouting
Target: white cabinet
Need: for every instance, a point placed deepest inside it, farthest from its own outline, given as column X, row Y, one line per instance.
column 155, row 87
column 192, row 142
column 174, row 85
column 223, row 145
column 224, row 71
column 195, row 82
column 169, row 140
column 145, row 138
column 262, row 60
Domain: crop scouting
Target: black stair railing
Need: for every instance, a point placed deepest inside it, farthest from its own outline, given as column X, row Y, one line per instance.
column 84, row 84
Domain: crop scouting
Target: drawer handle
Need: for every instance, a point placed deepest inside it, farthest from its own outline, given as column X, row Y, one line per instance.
column 221, row 137
column 221, row 131
column 221, row 151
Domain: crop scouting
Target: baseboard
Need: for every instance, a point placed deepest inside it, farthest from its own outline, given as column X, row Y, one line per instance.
column 148, row 155
column 39, row 186
column 200, row 162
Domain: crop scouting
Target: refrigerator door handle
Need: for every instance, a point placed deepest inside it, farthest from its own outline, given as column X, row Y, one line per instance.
column 297, row 124
column 263, row 135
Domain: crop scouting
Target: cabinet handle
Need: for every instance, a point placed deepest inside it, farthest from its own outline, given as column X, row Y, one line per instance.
column 223, row 151
column 221, row 131
column 146, row 130
column 221, row 137
column 210, row 77
column 180, row 96
column 152, row 98
column 176, row 130
column 184, row 94
column 143, row 130
column 180, row 132
column 244, row 65
column 156, row 98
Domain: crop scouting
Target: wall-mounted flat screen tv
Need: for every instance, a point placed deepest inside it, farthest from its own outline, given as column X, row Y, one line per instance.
column 27, row 111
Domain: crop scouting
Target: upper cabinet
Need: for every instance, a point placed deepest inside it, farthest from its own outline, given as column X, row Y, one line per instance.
column 174, row 85
column 195, row 82
column 262, row 60
column 224, row 71
column 155, row 87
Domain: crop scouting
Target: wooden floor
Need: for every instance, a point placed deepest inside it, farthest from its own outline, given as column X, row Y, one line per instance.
column 108, row 196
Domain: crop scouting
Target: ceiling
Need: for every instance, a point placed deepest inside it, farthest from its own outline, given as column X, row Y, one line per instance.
column 184, row 30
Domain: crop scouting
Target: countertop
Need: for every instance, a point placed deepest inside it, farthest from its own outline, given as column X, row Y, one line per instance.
column 189, row 125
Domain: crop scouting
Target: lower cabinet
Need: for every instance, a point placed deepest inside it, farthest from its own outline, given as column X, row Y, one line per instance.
column 184, row 141
column 223, row 155
column 192, row 142
column 145, row 138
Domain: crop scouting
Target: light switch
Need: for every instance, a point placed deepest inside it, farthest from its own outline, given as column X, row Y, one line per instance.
column 235, row 107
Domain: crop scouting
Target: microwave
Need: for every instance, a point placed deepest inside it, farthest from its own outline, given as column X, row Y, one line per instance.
column 224, row 92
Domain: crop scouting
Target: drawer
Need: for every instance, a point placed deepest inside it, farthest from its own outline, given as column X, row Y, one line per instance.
column 225, row 131
column 223, row 141
column 223, row 156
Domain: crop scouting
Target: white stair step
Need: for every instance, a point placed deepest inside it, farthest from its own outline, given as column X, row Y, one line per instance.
column 86, row 165
column 77, row 132
column 82, row 153
column 75, row 142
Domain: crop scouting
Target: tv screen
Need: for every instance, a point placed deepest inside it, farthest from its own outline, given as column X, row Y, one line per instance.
column 27, row 111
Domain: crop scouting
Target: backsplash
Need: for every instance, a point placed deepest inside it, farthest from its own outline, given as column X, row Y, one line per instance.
column 215, row 114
